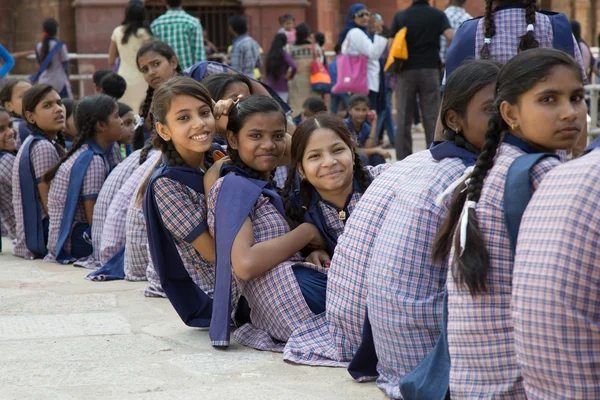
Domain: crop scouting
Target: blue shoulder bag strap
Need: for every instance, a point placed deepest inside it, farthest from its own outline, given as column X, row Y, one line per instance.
column 46, row 63
column 463, row 46
column 35, row 235
column 562, row 33
column 236, row 198
column 518, row 191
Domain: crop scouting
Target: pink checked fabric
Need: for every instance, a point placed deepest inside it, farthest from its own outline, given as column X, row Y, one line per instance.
column 331, row 338
column 113, row 234
column 276, row 302
column 43, row 155
column 136, row 242
column 556, row 293
column 510, row 26
column 405, row 287
column 480, row 329
column 154, row 288
column 111, row 186
column 57, row 196
column 7, row 212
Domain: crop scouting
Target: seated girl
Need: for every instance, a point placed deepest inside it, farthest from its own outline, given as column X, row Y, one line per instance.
column 11, row 98
column 8, row 147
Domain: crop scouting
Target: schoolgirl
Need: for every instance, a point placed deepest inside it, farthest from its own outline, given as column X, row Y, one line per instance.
column 158, row 63
column 405, row 286
column 77, row 179
column 247, row 219
column 11, row 98
column 127, row 131
column 45, row 117
column 332, row 177
column 70, row 130
column 556, row 289
column 8, row 146
column 539, row 108
column 174, row 204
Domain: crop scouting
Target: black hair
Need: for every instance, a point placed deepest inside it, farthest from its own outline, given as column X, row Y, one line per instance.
column 89, row 111
column 134, row 20
column 245, row 108
column 527, row 40
column 517, row 76
column 314, row 104
column 302, row 34
column 7, row 91
column 167, row 52
column 217, row 83
column 274, row 59
column 176, row 86
column 576, row 29
column 31, row 98
column 238, row 23
column 174, row 3
column 99, row 75
column 299, row 142
column 50, row 27
column 124, row 109
column 320, row 38
column 337, row 48
column 70, row 105
column 286, row 17
column 357, row 99
column 113, row 85
column 461, row 86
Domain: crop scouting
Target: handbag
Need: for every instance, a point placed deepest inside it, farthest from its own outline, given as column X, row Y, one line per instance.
column 352, row 74
column 320, row 80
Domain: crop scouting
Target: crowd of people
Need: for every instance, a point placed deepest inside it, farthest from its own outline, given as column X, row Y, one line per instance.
column 467, row 270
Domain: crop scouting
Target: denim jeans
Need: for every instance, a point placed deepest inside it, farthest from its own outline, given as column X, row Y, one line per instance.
column 335, row 102
column 385, row 120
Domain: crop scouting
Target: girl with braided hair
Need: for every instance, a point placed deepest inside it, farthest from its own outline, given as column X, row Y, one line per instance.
column 247, row 218
column 158, row 63
column 332, row 178
column 11, row 98
column 45, row 117
column 8, row 146
column 76, row 180
column 539, row 108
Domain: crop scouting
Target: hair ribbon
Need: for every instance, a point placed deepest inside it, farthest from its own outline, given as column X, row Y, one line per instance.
column 530, row 28
column 464, row 221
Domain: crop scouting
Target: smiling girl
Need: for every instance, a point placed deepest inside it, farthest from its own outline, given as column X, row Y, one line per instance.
column 11, row 98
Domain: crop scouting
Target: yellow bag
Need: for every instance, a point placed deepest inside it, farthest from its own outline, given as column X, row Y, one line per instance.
column 398, row 52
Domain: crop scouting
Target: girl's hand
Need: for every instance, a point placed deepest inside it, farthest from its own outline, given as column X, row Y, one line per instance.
column 384, row 154
column 319, row 258
column 372, row 117
column 221, row 111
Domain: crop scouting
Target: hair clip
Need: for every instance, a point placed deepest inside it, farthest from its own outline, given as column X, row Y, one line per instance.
column 487, row 40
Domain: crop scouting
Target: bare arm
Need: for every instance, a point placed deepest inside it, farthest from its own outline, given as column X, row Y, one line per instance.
column 43, row 189
column 251, row 260
column 205, row 245
column 88, row 207
column 449, row 35
column 113, row 53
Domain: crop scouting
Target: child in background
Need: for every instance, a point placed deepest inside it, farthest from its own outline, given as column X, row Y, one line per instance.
column 288, row 23
column 11, row 98
column 280, row 67
column 8, row 147
column 113, row 85
column 310, row 107
column 97, row 79
column 127, row 130
column 78, row 178
column 320, row 40
column 362, row 123
column 70, row 131
column 45, row 116
column 336, row 98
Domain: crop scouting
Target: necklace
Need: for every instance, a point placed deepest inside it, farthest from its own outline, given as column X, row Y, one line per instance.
column 342, row 215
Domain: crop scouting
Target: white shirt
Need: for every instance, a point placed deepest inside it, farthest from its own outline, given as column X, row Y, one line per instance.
column 358, row 43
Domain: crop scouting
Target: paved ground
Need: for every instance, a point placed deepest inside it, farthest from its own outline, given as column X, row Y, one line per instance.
column 62, row 337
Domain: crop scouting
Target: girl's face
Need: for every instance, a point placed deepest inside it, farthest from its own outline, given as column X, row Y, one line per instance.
column 71, row 131
column 49, row 114
column 190, row 125
column 551, row 115
column 7, row 133
column 156, row 68
column 15, row 105
column 234, row 89
column 476, row 120
column 127, row 129
column 361, row 18
column 112, row 131
column 261, row 141
column 288, row 25
column 327, row 162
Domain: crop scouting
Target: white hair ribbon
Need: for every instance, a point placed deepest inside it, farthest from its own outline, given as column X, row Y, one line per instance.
column 530, row 28
column 487, row 40
column 439, row 201
column 464, row 221
column 139, row 121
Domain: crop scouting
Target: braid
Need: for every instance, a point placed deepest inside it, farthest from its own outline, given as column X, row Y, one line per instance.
column 360, row 173
column 138, row 139
column 86, row 132
column 528, row 39
column 490, row 29
column 144, row 153
column 60, row 139
column 237, row 161
column 459, row 140
column 168, row 149
column 294, row 215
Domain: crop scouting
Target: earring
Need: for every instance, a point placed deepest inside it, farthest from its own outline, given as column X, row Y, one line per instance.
column 512, row 127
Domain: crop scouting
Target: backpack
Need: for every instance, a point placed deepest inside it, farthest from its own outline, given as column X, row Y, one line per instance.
column 398, row 52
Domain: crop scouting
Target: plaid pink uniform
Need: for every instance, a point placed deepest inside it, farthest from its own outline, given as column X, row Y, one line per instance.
column 333, row 223
column 111, row 186
column 331, row 338
column 405, row 287
column 136, row 242
column 43, row 155
column 7, row 212
column 154, row 288
column 113, row 234
column 480, row 329
column 276, row 302
column 556, row 295
column 93, row 180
